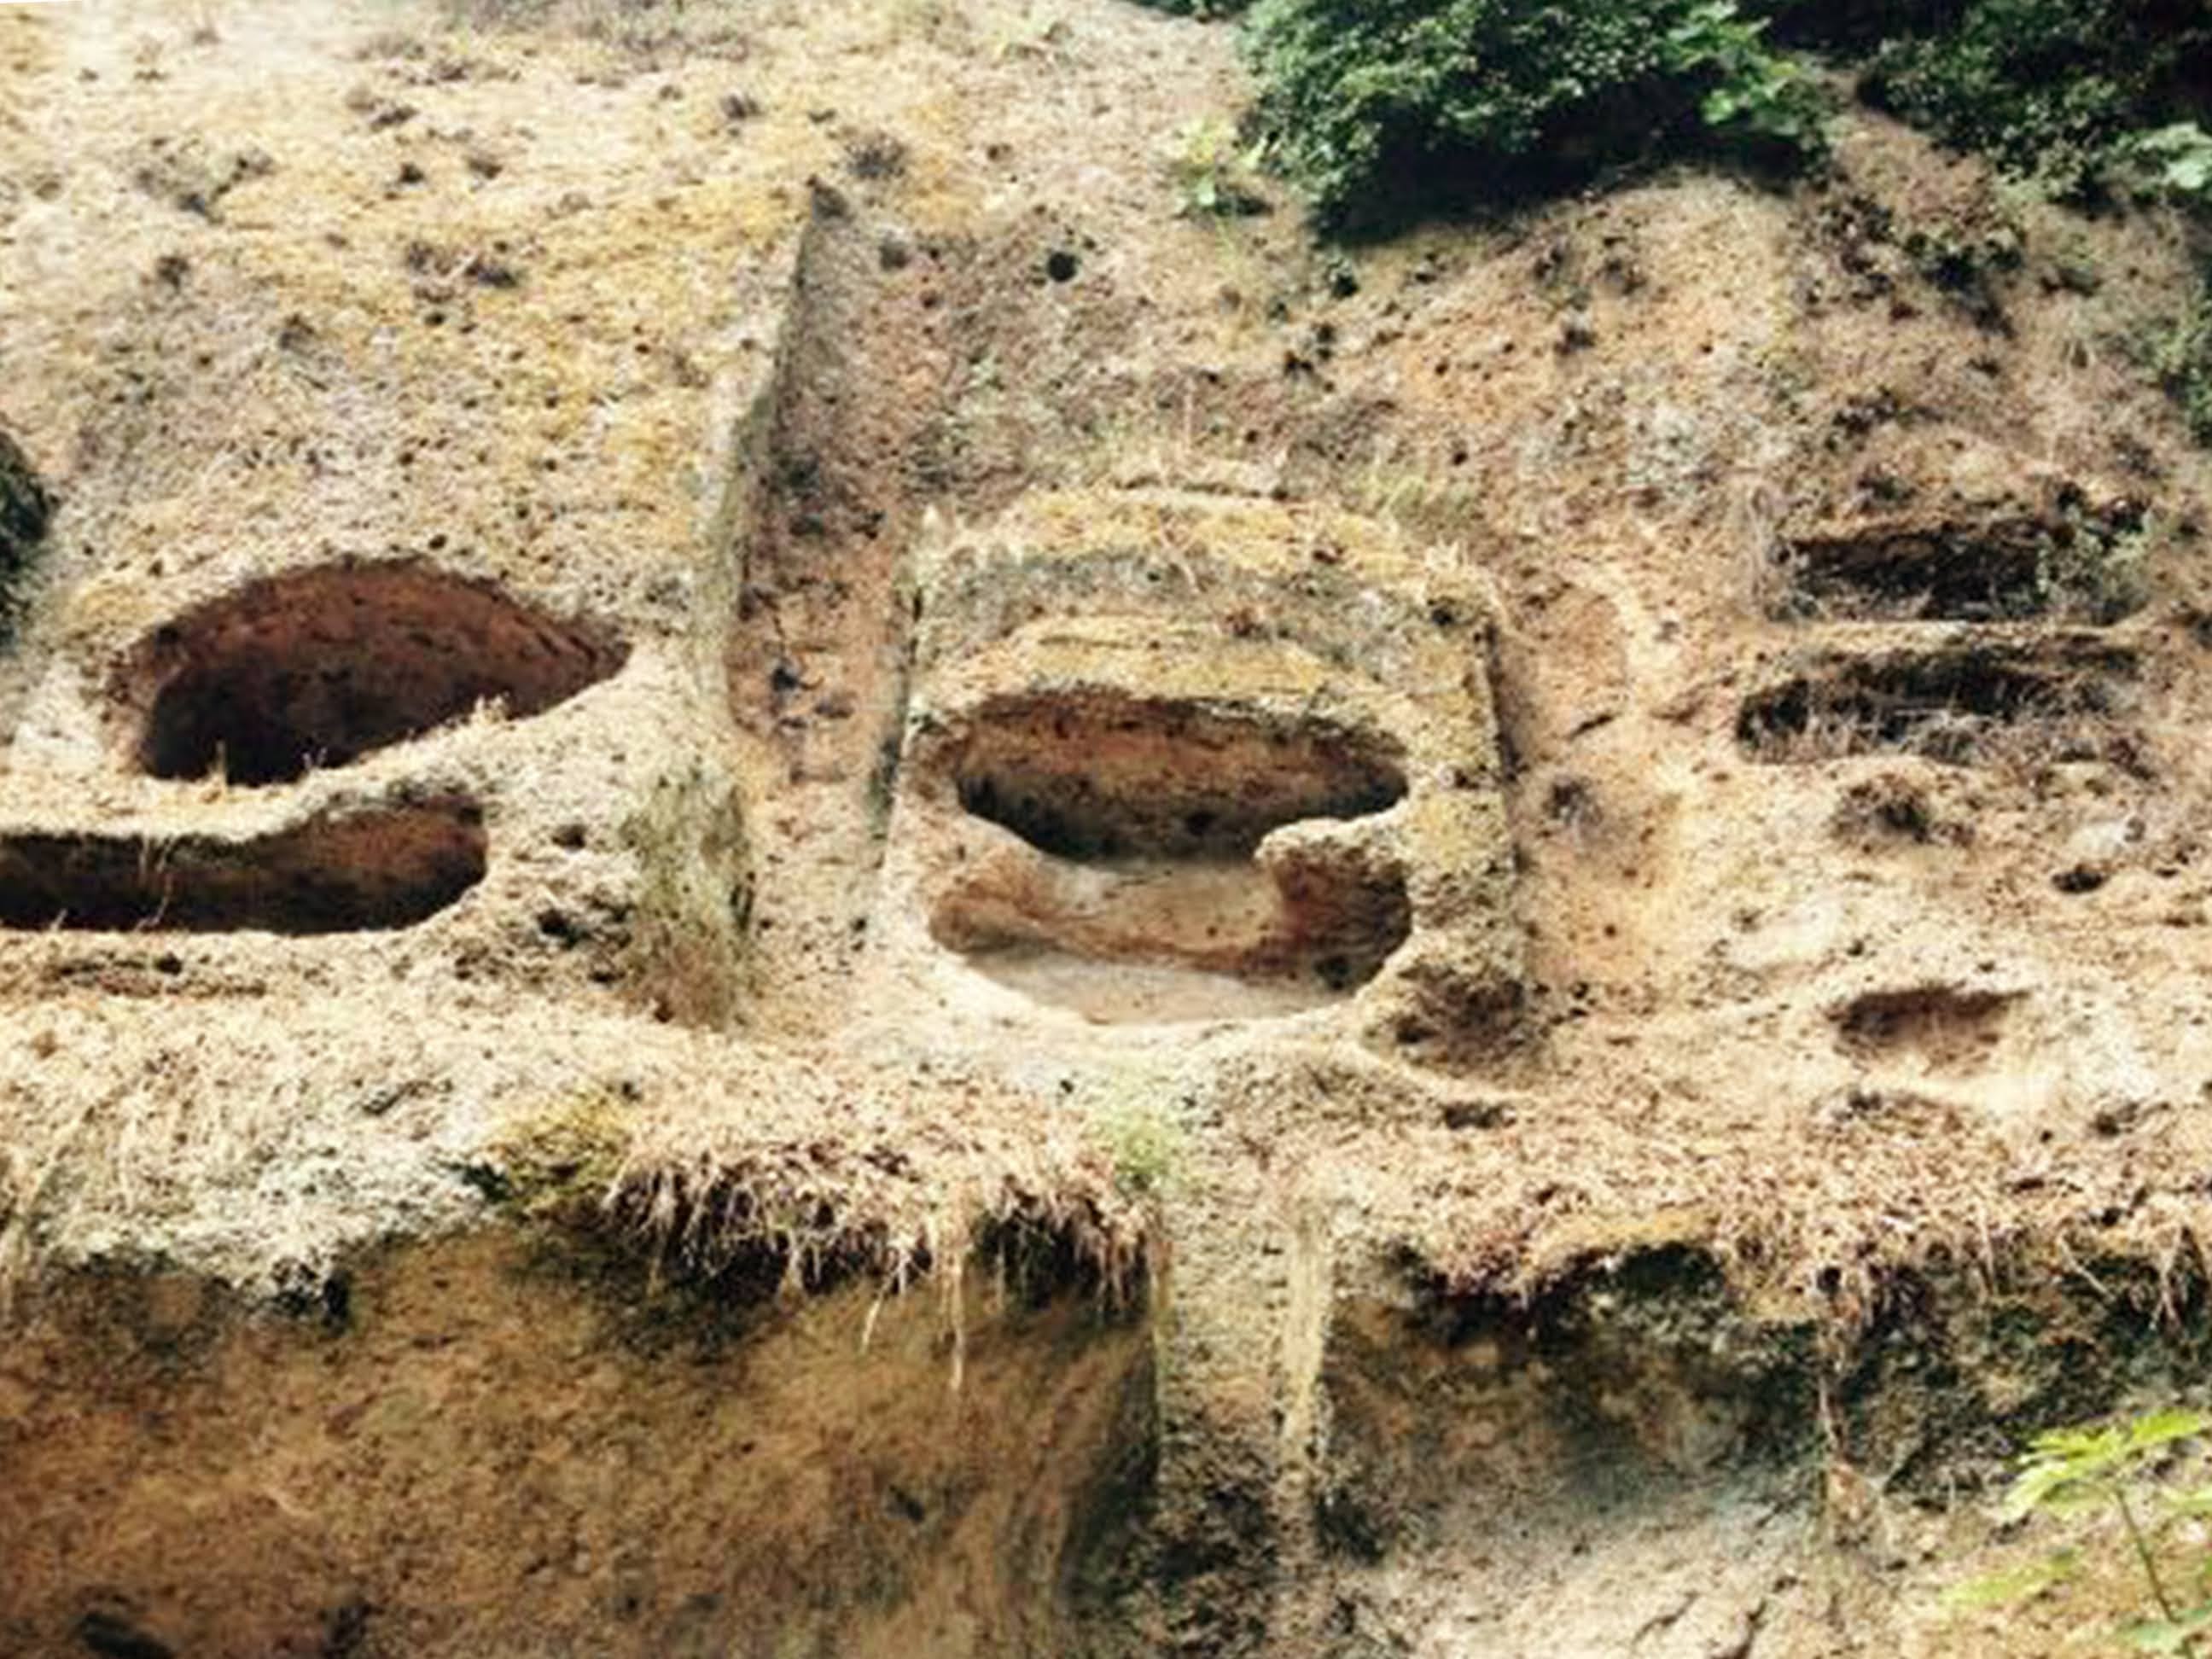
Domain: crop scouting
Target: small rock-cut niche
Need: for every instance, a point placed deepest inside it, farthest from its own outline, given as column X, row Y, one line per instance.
column 379, row 870
column 1948, row 1026
column 1977, row 579
column 321, row 667
column 1992, row 569
column 1161, row 878
column 1104, row 777
column 1955, row 705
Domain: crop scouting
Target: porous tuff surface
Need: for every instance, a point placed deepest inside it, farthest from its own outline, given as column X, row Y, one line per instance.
column 1689, row 1086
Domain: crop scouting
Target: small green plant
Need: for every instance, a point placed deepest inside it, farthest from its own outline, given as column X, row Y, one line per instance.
column 559, row 1161
column 2096, row 568
column 1384, row 109
column 2180, row 354
column 1145, row 1139
column 2109, row 1472
column 1216, row 173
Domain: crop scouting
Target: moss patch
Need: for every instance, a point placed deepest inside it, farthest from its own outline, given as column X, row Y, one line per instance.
column 560, row 1163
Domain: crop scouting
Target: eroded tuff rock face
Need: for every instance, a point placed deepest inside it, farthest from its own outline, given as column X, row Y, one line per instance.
column 777, row 877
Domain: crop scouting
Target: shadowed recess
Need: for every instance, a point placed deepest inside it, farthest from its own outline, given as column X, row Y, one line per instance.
column 374, row 871
column 1106, row 776
column 1945, row 1025
column 1949, row 704
column 1992, row 575
column 1998, row 569
column 1144, row 893
column 322, row 667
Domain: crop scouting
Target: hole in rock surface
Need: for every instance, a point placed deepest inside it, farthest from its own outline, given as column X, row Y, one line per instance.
column 379, row 870
column 1950, row 705
column 1948, row 1026
column 1147, row 904
column 1967, row 569
column 1979, row 579
column 1100, row 777
column 321, row 667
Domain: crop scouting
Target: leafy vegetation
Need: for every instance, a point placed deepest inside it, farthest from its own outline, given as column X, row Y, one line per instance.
column 2076, row 95
column 2109, row 1474
column 560, row 1162
column 2177, row 159
column 1386, row 108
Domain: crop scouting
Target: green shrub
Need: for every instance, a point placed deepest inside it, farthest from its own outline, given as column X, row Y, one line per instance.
column 2059, row 92
column 1198, row 8
column 1388, row 108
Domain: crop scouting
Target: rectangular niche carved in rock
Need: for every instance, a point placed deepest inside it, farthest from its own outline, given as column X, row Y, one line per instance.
column 1178, row 757
column 388, row 868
